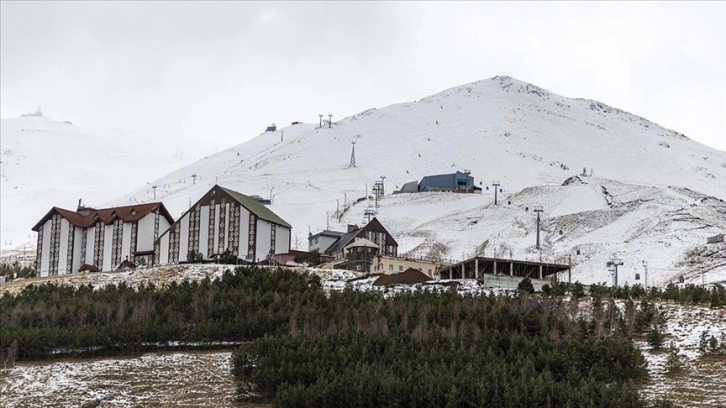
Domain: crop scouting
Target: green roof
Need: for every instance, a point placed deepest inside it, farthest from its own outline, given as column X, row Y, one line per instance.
column 256, row 207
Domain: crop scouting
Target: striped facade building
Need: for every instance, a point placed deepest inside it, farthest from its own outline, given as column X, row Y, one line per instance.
column 224, row 221
column 98, row 239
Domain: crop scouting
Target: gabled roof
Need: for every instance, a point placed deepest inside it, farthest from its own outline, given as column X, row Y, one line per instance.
column 361, row 242
column 409, row 277
column 256, row 207
column 342, row 241
column 328, row 233
column 89, row 216
column 346, row 239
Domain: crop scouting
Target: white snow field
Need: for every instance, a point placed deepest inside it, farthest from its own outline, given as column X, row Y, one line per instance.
column 46, row 163
column 651, row 194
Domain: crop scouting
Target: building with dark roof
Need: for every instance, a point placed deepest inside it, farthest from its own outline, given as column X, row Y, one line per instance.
column 102, row 238
column 455, row 182
column 373, row 231
column 322, row 240
column 224, row 220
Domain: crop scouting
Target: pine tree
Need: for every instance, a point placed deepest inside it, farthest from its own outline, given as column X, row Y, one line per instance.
column 673, row 363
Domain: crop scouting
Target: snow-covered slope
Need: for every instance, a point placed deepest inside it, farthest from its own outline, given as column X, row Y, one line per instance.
column 588, row 223
column 500, row 129
column 47, row 163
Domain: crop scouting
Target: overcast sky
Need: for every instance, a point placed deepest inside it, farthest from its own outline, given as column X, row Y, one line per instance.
column 215, row 74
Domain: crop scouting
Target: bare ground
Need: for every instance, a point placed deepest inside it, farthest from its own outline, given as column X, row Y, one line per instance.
column 172, row 379
column 702, row 382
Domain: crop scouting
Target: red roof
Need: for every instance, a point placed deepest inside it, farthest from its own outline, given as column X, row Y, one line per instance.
column 409, row 277
column 87, row 217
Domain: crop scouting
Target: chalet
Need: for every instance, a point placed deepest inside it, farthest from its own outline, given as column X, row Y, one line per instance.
column 224, row 220
column 360, row 254
column 100, row 239
column 373, row 231
column 715, row 239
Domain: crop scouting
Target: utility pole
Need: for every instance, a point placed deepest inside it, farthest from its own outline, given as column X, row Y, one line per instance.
column 538, row 209
column 154, row 188
column 320, row 115
column 645, row 267
column 374, row 190
column 330, row 120
column 282, row 135
column 369, row 212
column 615, row 262
column 383, row 180
column 194, row 179
column 569, row 269
column 496, row 187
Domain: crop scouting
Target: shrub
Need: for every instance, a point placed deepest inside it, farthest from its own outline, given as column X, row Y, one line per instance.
column 578, row 291
column 673, row 363
column 655, row 337
column 525, row 285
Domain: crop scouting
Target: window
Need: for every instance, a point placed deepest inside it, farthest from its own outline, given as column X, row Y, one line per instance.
column 390, row 268
column 429, row 272
column 400, row 268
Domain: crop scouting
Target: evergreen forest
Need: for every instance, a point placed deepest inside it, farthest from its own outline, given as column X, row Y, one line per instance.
column 301, row 346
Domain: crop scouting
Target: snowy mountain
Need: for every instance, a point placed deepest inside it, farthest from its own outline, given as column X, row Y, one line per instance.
column 646, row 195
column 46, row 163
column 500, row 129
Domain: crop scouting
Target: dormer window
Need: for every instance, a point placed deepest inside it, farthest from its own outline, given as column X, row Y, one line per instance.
column 134, row 212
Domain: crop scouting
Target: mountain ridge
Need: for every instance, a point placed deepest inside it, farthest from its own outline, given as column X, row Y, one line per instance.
column 500, row 129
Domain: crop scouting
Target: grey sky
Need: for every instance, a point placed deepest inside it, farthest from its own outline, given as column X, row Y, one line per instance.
column 215, row 74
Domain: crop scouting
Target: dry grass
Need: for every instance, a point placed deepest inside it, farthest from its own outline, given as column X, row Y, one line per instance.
column 183, row 379
column 159, row 276
column 702, row 382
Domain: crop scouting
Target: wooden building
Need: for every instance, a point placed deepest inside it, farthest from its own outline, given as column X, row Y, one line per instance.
column 222, row 221
column 99, row 238
column 373, row 231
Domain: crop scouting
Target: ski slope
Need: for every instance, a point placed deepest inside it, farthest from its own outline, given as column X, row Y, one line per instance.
column 501, row 129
